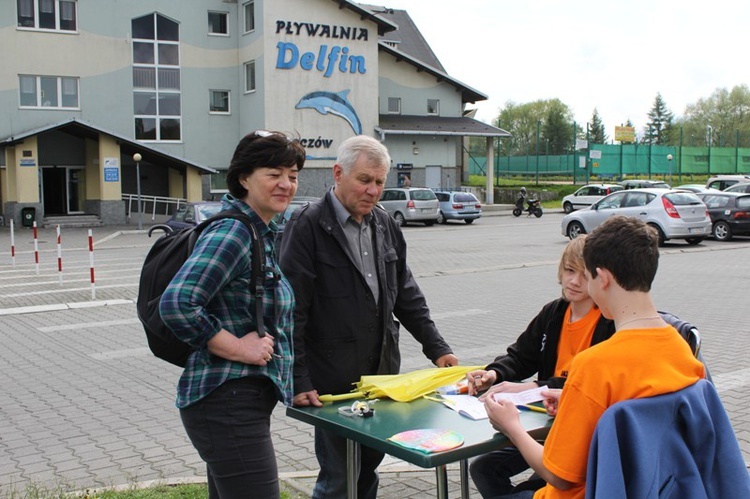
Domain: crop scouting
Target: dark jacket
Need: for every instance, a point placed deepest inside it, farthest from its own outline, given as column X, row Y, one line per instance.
column 339, row 333
column 677, row 445
column 535, row 351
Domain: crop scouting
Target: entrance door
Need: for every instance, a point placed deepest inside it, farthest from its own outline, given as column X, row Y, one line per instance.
column 61, row 190
column 54, row 191
column 432, row 174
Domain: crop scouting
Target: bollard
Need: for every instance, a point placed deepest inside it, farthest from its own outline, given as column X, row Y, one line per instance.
column 13, row 243
column 36, row 248
column 91, row 265
column 59, row 256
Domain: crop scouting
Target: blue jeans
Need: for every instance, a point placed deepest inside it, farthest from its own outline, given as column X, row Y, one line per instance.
column 230, row 429
column 330, row 450
column 492, row 472
column 524, row 494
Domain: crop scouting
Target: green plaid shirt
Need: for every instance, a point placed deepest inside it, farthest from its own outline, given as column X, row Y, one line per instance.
column 214, row 290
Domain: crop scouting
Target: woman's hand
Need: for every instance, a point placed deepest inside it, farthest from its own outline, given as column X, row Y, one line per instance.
column 250, row 349
column 480, row 380
column 509, row 387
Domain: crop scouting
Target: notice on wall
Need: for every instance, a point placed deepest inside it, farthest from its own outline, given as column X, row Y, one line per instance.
column 111, row 169
column 111, row 174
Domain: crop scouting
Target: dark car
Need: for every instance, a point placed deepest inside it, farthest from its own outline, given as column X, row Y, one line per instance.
column 191, row 214
column 282, row 218
column 458, row 205
column 730, row 213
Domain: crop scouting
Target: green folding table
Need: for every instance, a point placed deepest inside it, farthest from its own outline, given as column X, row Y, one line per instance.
column 392, row 417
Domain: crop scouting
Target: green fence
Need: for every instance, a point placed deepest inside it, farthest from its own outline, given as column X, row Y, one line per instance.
column 619, row 161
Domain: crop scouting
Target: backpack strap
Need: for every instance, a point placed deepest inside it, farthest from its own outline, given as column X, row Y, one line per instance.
column 258, row 257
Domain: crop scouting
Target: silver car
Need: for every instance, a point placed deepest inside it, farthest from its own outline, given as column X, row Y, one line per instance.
column 410, row 204
column 675, row 214
column 588, row 195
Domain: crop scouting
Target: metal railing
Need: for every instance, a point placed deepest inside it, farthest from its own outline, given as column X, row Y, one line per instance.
column 151, row 203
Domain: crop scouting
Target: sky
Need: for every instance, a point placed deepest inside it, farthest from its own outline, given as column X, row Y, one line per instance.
column 614, row 56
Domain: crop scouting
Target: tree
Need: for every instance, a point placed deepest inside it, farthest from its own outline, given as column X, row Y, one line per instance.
column 726, row 112
column 555, row 121
column 597, row 132
column 658, row 130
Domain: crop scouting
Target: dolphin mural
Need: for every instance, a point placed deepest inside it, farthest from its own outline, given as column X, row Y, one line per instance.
column 332, row 103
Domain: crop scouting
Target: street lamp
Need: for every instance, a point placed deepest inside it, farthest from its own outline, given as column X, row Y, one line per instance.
column 137, row 158
column 669, row 160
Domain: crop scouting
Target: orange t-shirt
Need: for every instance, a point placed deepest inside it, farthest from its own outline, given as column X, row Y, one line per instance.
column 633, row 363
column 575, row 337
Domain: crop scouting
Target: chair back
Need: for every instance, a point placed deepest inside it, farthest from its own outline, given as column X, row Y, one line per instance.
column 676, row 445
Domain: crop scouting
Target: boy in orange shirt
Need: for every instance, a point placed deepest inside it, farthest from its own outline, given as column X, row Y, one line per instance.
column 644, row 358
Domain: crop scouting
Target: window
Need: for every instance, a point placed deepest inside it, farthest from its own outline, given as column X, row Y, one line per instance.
column 55, row 15
column 249, row 9
column 433, row 106
column 250, row 76
column 48, row 91
column 157, row 99
column 219, row 102
column 217, row 23
column 394, row 105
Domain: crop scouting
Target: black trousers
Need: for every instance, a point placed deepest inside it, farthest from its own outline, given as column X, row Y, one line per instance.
column 230, row 429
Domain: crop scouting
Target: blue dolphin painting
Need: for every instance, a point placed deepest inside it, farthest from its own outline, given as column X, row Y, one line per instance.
column 333, row 103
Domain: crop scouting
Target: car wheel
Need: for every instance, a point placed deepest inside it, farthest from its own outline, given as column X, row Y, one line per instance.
column 722, row 231
column 399, row 218
column 441, row 218
column 692, row 241
column 469, row 221
column 429, row 223
column 568, row 207
column 575, row 229
column 662, row 237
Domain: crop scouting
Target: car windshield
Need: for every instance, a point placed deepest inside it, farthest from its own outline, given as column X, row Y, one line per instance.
column 465, row 197
column 681, row 198
column 422, row 195
column 208, row 210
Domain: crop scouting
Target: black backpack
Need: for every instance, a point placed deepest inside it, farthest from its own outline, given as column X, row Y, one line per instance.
column 164, row 260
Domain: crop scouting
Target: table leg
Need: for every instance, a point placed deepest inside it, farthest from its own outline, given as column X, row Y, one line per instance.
column 353, row 461
column 464, row 477
column 441, row 476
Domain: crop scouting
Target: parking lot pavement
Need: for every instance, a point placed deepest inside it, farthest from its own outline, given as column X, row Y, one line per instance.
column 84, row 404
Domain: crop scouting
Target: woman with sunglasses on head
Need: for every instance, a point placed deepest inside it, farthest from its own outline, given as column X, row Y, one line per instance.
column 235, row 377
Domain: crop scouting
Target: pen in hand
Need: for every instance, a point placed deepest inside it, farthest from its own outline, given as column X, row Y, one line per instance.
column 533, row 408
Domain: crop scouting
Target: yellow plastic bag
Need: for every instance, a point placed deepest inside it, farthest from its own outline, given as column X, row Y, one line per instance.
column 404, row 387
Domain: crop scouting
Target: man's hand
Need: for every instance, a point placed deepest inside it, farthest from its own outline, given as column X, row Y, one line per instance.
column 480, row 380
column 509, row 387
column 551, row 400
column 306, row 399
column 504, row 417
column 447, row 360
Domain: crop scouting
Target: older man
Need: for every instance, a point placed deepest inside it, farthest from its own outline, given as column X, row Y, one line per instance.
column 346, row 260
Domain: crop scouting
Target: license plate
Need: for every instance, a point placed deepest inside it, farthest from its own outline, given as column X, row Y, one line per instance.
column 696, row 230
column 426, row 210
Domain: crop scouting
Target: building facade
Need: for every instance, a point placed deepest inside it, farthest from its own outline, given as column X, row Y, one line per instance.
column 88, row 86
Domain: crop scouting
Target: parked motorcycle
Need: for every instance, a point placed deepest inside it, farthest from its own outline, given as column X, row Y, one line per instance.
column 533, row 206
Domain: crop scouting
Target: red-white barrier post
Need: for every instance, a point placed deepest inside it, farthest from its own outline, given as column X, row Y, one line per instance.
column 59, row 256
column 36, row 249
column 91, row 265
column 13, row 243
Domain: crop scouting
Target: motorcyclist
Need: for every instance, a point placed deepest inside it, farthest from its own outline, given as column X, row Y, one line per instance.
column 521, row 198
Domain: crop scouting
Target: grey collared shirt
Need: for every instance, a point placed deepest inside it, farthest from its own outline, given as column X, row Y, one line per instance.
column 359, row 238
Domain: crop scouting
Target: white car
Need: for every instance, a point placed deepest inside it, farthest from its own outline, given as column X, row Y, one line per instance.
column 674, row 214
column 588, row 195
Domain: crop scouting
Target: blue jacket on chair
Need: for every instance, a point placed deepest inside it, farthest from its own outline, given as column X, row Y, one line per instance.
column 676, row 445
